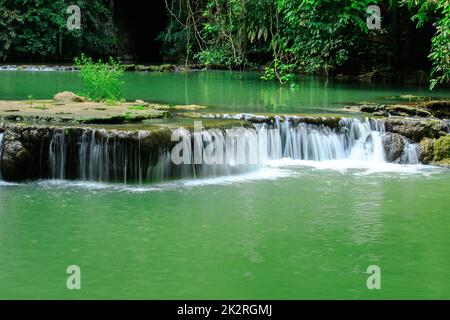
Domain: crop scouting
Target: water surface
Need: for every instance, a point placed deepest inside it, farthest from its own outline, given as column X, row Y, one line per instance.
column 294, row 230
column 220, row 90
column 288, row 232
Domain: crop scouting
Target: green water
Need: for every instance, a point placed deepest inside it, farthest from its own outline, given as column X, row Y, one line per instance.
column 221, row 90
column 288, row 233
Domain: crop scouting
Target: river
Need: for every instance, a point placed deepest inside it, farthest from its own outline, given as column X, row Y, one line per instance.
column 293, row 229
column 220, row 90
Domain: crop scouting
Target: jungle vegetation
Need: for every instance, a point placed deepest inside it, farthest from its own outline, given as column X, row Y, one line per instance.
column 311, row 36
column 281, row 37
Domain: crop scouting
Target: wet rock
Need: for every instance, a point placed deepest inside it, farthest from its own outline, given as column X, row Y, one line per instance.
column 14, row 154
column 68, row 96
column 379, row 109
column 407, row 111
column 440, row 109
column 426, row 151
column 20, row 152
column 415, row 129
column 442, row 149
column 157, row 68
column 394, row 146
column 435, row 151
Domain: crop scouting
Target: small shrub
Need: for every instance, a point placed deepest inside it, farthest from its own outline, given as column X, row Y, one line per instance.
column 30, row 99
column 101, row 80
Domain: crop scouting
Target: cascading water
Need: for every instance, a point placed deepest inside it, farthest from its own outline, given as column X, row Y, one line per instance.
column 354, row 139
column 104, row 156
column 411, row 154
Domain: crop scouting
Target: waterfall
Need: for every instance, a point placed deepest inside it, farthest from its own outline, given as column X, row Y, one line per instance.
column 115, row 156
column 354, row 139
column 411, row 153
column 57, row 155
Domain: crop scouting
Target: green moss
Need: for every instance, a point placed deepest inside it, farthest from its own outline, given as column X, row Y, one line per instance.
column 140, row 107
column 331, row 122
column 127, row 117
column 157, row 68
column 442, row 149
column 427, row 150
column 409, row 97
column 227, row 124
column 443, row 163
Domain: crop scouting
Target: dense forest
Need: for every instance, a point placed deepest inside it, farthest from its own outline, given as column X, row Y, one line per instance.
column 281, row 37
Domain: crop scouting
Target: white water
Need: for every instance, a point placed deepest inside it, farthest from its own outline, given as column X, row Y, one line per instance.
column 104, row 157
column 37, row 68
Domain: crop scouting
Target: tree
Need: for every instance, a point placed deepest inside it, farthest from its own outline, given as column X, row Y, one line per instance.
column 8, row 21
column 43, row 33
column 438, row 13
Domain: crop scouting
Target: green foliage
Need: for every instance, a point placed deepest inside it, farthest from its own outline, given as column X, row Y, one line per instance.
column 294, row 35
column 440, row 49
column 30, row 99
column 42, row 31
column 310, row 36
column 442, row 149
column 8, row 21
column 280, row 71
column 102, row 81
column 437, row 12
column 140, row 108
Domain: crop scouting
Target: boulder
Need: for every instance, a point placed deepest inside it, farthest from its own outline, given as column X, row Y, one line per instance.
column 435, row 151
column 440, row 109
column 442, row 149
column 68, row 96
column 14, row 158
column 416, row 129
column 373, row 108
column 394, row 146
column 426, row 151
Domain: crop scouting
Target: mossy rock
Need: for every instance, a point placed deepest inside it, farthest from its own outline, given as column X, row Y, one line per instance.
column 426, row 155
column 157, row 68
column 406, row 111
column 409, row 97
column 442, row 149
column 416, row 130
column 443, row 163
column 127, row 117
column 221, row 124
column 440, row 109
column 435, row 151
